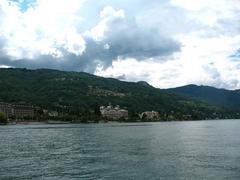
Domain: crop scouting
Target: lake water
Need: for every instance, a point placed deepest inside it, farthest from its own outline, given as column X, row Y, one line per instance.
column 165, row 150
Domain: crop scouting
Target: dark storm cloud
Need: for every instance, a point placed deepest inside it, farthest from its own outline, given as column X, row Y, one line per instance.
column 140, row 46
column 127, row 38
column 130, row 42
column 123, row 38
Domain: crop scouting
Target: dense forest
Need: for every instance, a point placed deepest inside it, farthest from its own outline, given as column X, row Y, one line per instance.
column 229, row 99
column 78, row 92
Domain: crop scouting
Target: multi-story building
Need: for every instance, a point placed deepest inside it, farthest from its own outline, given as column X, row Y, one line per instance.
column 6, row 109
column 19, row 111
column 116, row 113
column 149, row 115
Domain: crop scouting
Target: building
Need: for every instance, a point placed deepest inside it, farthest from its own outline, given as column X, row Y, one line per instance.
column 53, row 113
column 21, row 111
column 6, row 109
column 116, row 113
column 149, row 115
column 17, row 110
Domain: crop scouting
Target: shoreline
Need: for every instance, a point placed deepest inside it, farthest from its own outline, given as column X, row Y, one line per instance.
column 100, row 122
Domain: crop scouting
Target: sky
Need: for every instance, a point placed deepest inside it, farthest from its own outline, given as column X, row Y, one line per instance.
column 167, row 43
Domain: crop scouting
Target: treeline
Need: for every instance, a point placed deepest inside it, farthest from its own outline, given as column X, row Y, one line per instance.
column 3, row 119
column 93, row 116
column 74, row 95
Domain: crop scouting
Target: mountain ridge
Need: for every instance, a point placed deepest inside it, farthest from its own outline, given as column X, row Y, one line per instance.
column 229, row 99
column 80, row 91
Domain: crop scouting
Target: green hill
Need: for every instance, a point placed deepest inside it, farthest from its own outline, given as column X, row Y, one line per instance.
column 229, row 99
column 78, row 91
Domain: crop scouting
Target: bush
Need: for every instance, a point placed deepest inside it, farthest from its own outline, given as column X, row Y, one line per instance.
column 3, row 118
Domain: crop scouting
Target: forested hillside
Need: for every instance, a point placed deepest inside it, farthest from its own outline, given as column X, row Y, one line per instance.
column 78, row 91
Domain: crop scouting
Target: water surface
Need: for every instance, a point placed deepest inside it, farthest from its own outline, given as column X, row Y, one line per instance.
column 166, row 150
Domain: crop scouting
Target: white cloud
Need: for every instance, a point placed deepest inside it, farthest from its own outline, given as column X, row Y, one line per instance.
column 3, row 66
column 209, row 12
column 167, row 43
column 201, row 61
column 47, row 28
column 108, row 15
column 158, row 74
column 74, row 42
column 210, row 34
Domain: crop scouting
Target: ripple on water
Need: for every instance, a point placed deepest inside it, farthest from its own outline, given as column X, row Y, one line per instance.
column 172, row 150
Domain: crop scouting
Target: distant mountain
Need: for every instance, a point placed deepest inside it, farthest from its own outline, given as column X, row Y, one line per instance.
column 144, row 83
column 229, row 99
column 78, row 91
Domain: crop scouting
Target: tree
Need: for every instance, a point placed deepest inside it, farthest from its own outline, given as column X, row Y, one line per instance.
column 97, row 110
column 144, row 116
column 3, row 118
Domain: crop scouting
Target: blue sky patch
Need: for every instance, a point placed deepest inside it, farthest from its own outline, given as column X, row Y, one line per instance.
column 24, row 4
column 236, row 55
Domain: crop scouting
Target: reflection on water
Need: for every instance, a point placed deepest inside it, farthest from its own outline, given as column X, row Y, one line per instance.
column 169, row 150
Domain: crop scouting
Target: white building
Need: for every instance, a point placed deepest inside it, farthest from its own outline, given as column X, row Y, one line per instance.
column 149, row 115
column 113, row 113
column 53, row 113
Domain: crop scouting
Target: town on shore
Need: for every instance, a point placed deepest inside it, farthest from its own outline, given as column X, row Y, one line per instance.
column 18, row 113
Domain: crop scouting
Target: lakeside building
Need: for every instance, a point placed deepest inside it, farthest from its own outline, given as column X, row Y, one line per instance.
column 149, row 115
column 17, row 110
column 23, row 111
column 53, row 113
column 6, row 109
column 114, row 113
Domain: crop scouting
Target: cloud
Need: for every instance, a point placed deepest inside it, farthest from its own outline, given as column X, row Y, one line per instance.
column 124, row 38
column 108, row 17
column 158, row 73
column 48, row 28
column 51, row 37
column 235, row 56
column 166, row 43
